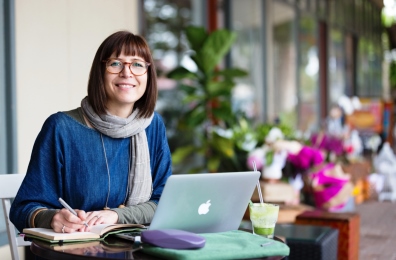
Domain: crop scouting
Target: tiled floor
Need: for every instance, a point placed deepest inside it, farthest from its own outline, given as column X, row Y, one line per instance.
column 377, row 230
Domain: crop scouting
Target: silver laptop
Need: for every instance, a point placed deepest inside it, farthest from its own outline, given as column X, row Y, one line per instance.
column 205, row 202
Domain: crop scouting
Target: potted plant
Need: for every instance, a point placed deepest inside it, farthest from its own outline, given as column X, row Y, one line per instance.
column 208, row 116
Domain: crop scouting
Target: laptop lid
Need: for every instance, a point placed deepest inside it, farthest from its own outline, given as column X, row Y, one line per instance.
column 205, row 202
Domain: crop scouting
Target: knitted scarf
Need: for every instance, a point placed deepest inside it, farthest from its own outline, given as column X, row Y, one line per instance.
column 140, row 181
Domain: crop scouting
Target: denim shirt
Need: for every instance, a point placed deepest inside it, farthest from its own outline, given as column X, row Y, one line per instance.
column 68, row 161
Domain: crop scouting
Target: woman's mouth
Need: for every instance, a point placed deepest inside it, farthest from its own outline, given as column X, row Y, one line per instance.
column 125, row 86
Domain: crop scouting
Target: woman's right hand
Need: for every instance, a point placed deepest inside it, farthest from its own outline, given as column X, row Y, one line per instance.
column 66, row 222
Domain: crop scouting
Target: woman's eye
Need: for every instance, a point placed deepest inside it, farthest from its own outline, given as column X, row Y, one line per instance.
column 116, row 64
column 138, row 64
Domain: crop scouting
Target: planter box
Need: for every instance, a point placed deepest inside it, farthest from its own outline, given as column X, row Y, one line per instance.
column 308, row 241
column 348, row 225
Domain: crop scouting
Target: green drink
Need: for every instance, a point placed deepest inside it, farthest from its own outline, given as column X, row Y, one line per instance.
column 263, row 217
column 263, row 231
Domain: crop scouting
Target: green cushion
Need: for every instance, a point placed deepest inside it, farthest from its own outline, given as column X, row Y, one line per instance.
column 234, row 244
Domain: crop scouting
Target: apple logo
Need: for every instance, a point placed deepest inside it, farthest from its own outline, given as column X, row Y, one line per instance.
column 204, row 208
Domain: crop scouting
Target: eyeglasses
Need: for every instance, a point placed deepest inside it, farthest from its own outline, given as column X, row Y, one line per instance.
column 137, row 67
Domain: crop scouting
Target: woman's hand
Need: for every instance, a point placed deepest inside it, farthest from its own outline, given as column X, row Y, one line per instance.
column 65, row 222
column 101, row 217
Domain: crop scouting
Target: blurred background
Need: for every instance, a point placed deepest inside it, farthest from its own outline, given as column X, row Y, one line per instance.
column 301, row 57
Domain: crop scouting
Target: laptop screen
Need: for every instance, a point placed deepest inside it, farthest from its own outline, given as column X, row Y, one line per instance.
column 205, row 202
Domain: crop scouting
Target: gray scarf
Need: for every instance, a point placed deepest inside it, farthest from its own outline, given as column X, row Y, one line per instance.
column 140, row 181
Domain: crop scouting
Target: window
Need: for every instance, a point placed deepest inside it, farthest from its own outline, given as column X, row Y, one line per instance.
column 247, row 54
column 336, row 66
column 369, row 82
column 164, row 23
column 284, row 101
column 8, row 147
column 308, row 74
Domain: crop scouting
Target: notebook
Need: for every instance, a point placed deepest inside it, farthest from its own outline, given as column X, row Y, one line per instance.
column 205, row 202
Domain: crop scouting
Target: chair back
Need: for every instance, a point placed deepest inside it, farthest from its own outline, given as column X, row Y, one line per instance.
column 9, row 185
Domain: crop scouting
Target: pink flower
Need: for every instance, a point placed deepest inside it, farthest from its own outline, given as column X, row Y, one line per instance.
column 258, row 157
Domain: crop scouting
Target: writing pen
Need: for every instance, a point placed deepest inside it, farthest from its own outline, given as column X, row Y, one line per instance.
column 64, row 204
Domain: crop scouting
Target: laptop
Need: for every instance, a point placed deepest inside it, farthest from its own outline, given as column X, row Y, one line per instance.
column 205, row 202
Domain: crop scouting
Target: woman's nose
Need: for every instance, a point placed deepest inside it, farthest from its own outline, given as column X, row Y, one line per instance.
column 126, row 72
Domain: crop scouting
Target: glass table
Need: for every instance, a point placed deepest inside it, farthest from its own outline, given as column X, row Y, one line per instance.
column 110, row 248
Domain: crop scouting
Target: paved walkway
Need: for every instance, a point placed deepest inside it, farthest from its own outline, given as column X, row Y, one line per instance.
column 377, row 230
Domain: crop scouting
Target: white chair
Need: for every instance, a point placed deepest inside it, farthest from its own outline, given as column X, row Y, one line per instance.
column 9, row 185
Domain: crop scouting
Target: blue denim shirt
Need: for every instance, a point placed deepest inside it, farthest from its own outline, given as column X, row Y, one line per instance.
column 68, row 161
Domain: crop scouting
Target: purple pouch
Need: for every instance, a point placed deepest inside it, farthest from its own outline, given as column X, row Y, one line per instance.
column 173, row 238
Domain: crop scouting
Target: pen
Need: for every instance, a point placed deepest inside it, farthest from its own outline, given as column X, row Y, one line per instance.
column 69, row 208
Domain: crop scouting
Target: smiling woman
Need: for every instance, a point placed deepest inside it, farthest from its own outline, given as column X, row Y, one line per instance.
column 115, row 142
column 103, row 92
column 124, row 85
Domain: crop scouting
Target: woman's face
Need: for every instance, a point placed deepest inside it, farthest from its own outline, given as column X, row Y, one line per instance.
column 124, row 89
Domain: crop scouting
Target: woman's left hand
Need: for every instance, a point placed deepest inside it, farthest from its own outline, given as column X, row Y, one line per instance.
column 100, row 217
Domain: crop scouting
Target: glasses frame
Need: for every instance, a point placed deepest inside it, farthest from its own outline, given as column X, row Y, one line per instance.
column 126, row 63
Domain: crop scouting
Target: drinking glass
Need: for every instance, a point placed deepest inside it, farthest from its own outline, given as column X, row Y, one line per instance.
column 263, row 217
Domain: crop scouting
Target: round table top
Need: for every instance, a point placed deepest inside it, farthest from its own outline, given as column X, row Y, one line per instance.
column 110, row 248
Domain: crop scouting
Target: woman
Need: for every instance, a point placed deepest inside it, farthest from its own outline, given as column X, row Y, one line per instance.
column 108, row 159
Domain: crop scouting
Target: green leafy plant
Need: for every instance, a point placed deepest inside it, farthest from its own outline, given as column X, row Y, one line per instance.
column 392, row 75
column 208, row 111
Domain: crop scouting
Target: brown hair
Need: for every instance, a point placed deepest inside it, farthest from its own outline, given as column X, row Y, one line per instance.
column 132, row 45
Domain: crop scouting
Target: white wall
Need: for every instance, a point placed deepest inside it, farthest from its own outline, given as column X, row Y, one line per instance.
column 55, row 44
column 5, row 252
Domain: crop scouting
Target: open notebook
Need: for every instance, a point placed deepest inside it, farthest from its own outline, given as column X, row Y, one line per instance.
column 98, row 232
column 205, row 202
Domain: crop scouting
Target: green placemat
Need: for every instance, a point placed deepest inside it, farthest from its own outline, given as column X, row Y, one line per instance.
column 234, row 244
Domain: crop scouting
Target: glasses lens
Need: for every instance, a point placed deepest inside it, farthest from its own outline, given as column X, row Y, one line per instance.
column 114, row 66
column 138, row 67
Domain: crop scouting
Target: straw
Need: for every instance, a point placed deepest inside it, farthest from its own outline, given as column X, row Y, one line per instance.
column 258, row 184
